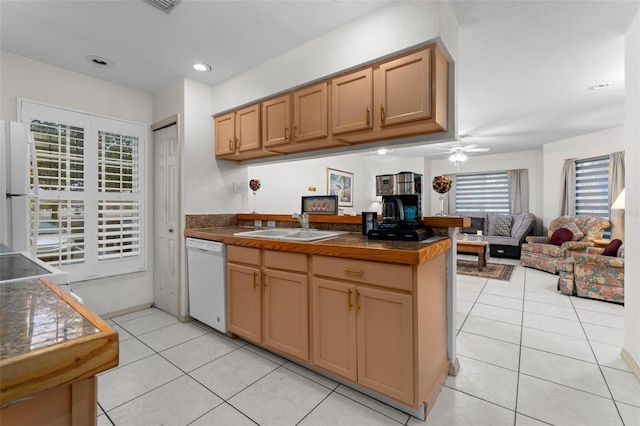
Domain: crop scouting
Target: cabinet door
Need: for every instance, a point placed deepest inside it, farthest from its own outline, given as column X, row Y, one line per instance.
column 404, row 89
column 286, row 321
column 276, row 121
column 248, row 128
column 244, row 301
column 310, row 113
column 334, row 327
column 385, row 343
column 225, row 134
column 351, row 102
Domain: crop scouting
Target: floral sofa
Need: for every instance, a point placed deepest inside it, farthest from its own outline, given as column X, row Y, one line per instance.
column 593, row 275
column 539, row 253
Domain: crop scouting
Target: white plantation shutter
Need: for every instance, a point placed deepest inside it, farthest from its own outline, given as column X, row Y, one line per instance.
column 61, row 237
column 118, row 229
column 487, row 192
column 92, row 191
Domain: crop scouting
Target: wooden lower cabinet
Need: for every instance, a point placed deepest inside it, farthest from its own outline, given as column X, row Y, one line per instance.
column 244, row 301
column 334, row 327
column 286, row 313
column 379, row 325
column 268, row 299
column 67, row 405
column 365, row 335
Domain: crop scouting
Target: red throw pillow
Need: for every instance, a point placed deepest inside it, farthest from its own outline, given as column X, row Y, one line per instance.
column 560, row 236
column 612, row 248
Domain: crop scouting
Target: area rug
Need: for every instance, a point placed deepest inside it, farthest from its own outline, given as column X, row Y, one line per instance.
column 494, row 271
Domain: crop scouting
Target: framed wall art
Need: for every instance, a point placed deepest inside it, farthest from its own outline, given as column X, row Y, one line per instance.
column 340, row 183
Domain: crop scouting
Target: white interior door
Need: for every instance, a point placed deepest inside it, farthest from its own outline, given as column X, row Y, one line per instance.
column 165, row 207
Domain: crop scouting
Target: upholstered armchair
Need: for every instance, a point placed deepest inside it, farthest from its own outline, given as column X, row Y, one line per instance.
column 594, row 276
column 540, row 253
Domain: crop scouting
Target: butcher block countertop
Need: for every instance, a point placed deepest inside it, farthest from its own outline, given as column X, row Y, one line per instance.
column 349, row 245
column 48, row 339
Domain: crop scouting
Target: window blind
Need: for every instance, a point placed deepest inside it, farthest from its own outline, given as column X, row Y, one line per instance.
column 487, row 192
column 592, row 187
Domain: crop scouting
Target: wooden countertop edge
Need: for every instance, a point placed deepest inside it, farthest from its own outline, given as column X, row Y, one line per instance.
column 60, row 364
column 326, row 248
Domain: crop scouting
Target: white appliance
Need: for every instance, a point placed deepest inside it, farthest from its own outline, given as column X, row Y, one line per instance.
column 206, row 263
column 18, row 163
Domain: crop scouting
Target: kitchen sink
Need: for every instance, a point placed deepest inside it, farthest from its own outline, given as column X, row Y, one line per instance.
column 290, row 234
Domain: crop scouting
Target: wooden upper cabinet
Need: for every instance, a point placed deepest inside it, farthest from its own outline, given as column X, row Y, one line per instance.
column 248, row 128
column 351, row 99
column 404, row 89
column 225, row 134
column 393, row 99
column 237, row 135
column 276, row 121
column 310, row 113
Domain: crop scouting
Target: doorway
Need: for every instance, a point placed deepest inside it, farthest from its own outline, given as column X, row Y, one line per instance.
column 166, row 217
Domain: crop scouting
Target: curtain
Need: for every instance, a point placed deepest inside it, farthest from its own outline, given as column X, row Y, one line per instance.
column 616, row 185
column 518, row 182
column 567, row 204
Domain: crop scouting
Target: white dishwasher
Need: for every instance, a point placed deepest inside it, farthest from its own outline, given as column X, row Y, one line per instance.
column 207, row 264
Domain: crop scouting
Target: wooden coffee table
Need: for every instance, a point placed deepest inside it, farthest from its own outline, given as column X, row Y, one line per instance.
column 474, row 247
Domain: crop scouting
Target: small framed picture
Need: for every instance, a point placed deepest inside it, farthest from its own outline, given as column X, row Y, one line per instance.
column 320, row 204
column 369, row 221
column 340, row 183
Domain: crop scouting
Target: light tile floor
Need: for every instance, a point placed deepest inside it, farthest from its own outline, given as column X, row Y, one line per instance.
column 528, row 356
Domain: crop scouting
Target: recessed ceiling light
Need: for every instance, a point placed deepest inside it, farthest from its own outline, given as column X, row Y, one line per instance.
column 99, row 60
column 600, row 85
column 200, row 66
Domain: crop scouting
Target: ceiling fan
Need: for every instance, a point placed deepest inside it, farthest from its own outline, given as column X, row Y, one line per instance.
column 458, row 151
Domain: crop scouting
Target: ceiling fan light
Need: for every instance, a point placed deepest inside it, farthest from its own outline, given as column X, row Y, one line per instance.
column 457, row 157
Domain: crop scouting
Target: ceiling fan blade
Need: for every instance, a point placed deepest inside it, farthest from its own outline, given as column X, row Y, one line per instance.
column 469, row 147
column 478, row 150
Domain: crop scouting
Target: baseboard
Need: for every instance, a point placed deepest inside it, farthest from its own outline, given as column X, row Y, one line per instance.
column 126, row 311
column 631, row 363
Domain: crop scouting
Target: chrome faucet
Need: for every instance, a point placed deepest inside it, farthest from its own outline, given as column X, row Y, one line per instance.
column 304, row 221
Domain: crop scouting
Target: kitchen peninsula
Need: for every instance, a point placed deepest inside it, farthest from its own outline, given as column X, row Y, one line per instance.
column 371, row 314
column 51, row 349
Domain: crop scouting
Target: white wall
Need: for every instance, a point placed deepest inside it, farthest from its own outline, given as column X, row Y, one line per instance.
column 283, row 184
column 592, row 145
column 394, row 27
column 25, row 78
column 632, row 185
column 530, row 160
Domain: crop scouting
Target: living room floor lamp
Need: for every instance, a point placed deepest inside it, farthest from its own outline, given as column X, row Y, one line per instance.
column 618, row 224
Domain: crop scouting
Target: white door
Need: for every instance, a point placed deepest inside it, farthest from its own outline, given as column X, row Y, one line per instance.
column 165, row 219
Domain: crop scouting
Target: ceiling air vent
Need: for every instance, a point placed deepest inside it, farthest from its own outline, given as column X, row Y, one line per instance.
column 164, row 5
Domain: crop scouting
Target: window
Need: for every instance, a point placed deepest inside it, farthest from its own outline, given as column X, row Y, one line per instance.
column 592, row 187
column 488, row 192
column 91, row 191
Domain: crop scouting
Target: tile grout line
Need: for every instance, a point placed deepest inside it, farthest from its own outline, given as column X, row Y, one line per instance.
column 615, row 403
column 515, row 409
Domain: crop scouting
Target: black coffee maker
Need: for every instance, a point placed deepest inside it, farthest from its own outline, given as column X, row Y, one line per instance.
column 401, row 208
